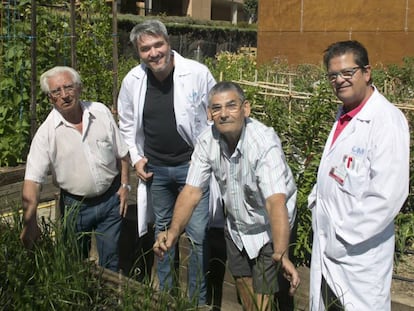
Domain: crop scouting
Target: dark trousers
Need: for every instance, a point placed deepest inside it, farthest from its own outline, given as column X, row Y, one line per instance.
column 136, row 256
column 282, row 299
column 216, row 267
column 100, row 214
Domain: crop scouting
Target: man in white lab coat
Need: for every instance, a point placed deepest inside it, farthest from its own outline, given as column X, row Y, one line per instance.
column 162, row 107
column 362, row 184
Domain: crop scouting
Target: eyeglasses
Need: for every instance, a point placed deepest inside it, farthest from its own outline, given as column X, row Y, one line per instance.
column 56, row 93
column 230, row 107
column 345, row 74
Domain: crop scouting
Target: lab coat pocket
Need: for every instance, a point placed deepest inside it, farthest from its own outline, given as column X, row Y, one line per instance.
column 356, row 181
column 105, row 152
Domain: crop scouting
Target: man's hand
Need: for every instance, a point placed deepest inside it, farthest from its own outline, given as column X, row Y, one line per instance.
column 140, row 170
column 123, row 198
column 30, row 233
column 165, row 241
column 290, row 273
column 30, row 199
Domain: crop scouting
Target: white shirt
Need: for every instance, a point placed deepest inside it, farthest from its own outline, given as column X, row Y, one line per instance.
column 256, row 170
column 84, row 163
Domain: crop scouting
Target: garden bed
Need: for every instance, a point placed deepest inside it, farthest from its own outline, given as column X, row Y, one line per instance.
column 112, row 284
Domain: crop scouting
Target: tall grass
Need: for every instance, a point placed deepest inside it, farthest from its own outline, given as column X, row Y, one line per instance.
column 54, row 275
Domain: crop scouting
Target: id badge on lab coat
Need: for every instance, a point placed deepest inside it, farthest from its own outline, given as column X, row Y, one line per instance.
column 340, row 173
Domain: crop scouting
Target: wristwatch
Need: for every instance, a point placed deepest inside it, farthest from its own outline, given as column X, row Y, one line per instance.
column 126, row 186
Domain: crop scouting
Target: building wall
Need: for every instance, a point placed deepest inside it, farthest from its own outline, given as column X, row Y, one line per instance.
column 228, row 10
column 298, row 31
column 199, row 9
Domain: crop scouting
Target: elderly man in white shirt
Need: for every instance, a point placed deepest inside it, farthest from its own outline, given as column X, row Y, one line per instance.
column 81, row 144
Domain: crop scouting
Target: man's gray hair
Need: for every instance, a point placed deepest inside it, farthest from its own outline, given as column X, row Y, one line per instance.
column 226, row 86
column 44, row 78
column 150, row 27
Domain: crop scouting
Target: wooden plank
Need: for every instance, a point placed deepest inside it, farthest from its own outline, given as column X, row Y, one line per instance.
column 11, row 194
column 11, row 189
column 9, row 175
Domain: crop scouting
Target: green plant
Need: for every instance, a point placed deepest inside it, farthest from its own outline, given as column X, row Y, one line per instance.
column 404, row 233
column 14, row 91
column 251, row 7
column 230, row 66
column 303, row 129
column 53, row 47
column 94, row 50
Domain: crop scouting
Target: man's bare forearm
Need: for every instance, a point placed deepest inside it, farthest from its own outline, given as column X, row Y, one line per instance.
column 125, row 170
column 187, row 200
column 30, row 200
column 279, row 222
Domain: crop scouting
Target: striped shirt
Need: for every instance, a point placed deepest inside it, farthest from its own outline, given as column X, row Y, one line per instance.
column 256, row 170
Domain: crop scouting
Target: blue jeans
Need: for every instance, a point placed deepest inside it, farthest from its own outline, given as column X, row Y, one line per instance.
column 103, row 217
column 166, row 184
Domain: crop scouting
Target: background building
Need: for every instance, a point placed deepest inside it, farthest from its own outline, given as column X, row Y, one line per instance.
column 226, row 10
column 298, row 31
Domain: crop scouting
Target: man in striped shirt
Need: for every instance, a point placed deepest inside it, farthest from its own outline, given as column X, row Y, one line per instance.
column 259, row 196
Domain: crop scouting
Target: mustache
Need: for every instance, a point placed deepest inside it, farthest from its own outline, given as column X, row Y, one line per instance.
column 67, row 100
column 225, row 122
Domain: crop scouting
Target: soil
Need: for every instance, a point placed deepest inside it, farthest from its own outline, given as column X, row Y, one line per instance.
column 404, row 269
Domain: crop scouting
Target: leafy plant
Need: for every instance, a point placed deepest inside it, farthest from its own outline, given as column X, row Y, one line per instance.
column 53, row 47
column 231, row 66
column 251, row 7
column 404, row 233
column 14, row 91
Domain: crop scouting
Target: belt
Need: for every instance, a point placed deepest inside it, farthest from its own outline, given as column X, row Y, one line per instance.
column 93, row 200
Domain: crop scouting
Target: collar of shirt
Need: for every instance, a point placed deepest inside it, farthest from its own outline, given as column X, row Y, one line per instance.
column 59, row 119
column 349, row 115
column 345, row 118
column 239, row 148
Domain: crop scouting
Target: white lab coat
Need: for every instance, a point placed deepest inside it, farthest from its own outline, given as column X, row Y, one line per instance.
column 353, row 226
column 192, row 82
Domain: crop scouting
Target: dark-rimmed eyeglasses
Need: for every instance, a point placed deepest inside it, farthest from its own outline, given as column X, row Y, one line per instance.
column 58, row 92
column 231, row 107
column 345, row 74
